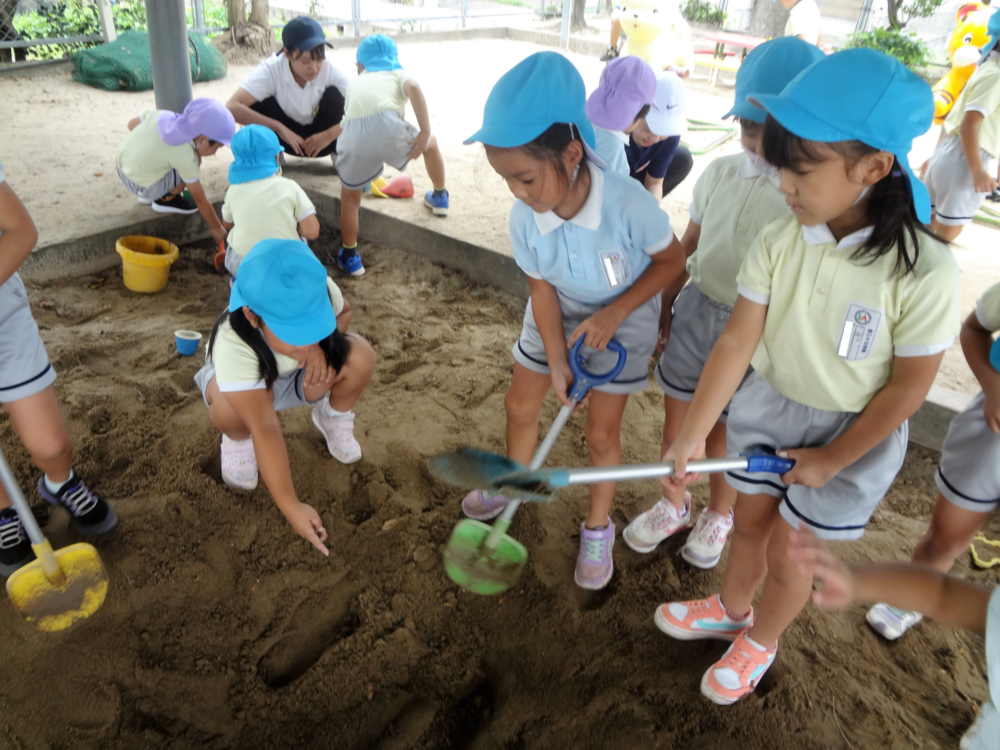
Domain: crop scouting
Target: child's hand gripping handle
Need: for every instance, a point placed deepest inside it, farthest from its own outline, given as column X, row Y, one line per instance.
column 583, row 381
column 219, row 261
column 770, row 463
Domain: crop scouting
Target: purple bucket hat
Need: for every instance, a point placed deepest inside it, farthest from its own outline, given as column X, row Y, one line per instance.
column 627, row 83
column 200, row 117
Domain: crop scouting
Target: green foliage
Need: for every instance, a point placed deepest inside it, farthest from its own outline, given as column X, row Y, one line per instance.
column 215, row 18
column 73, row 18
column 906, row 48
column 700, row 11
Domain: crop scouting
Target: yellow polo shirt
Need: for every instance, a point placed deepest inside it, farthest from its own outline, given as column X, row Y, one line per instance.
column 988, row 309
column 981, row 94
column 733, row 201
column 268, row 209
column 833, row 326
column 145, row 158
column 376, row 92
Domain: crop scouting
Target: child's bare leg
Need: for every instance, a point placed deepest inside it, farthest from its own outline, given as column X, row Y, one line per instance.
column 786, row 589
column 674, row 411
column 39, row 424
column 949, row 534
column 603, row 430
column 721, row 494
column 225, row 418
column 350, row 205
column 353, row 378
column 434, row 162
column 747, row 564
column 522, row 404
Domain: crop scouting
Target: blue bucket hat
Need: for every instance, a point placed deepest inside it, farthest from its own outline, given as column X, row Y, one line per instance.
column 862, row 95
column 378, row 53
column 538, row 92
column 993, row 29
column 254, row 148
column 767, row 70
column 285, row 285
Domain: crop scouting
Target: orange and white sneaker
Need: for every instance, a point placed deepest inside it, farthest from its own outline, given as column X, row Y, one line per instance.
column 737, row 673
column 699, row 620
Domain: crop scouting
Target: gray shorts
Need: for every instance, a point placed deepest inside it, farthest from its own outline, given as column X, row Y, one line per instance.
column 637, row 334
column 954, row 199
column 696, row 325
column 369, row 143
column 163, row 186
column 969, row 472
column 760, row 417
column 287, row 389
column 233, row 260
column 24, row 364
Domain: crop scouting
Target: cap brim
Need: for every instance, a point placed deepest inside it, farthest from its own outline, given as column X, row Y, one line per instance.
column 797, row 120
column 313, row 43
column 665, row 124
column 747, row 111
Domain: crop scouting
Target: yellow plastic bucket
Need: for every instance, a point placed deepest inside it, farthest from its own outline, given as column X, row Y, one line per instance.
column 146, row 262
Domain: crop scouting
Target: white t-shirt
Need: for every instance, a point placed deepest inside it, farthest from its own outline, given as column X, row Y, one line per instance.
column 988, row 735
column 273, row 77
column 805, row 21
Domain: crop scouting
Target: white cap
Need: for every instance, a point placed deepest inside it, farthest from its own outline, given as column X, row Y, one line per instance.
column 667, row 118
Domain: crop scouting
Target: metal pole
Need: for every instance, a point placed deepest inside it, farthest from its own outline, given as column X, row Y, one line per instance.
column 564, row 31
column 107, row 20
column 168, row 52
column 356, row 16
column 199, row 16
column 465, row 11
column 541, row 10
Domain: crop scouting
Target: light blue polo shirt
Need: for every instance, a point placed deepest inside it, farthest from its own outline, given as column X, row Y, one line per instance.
column 610, row 146
column 599, row 253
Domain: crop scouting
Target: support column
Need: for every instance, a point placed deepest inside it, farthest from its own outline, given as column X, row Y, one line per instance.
column 107, row 20
column 564, row 30
column 168, row 51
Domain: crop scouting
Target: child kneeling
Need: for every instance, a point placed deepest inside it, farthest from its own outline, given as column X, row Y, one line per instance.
column 283, row 343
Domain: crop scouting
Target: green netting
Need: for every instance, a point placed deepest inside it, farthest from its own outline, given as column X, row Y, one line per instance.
column 124, row 63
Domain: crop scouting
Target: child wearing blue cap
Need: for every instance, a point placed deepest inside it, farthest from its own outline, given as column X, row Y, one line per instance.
column 958, row 174
column 845, row 310
column 376, row 134
column 597, row 250
column 283, row 343
column 261, row 204
column 28, row 397
column 734, row 199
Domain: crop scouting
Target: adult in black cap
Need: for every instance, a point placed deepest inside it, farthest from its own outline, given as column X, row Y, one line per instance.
column 296, row 93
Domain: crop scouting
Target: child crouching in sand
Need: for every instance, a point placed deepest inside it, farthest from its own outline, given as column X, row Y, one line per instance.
column 283, row 343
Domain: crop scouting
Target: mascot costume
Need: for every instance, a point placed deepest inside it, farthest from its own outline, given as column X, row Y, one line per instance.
column 964, row 51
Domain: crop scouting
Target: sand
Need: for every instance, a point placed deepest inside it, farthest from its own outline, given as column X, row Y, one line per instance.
column 60, row 139
column 223, row 629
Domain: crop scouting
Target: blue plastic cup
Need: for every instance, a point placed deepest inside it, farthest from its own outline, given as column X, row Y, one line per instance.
column 187, row 342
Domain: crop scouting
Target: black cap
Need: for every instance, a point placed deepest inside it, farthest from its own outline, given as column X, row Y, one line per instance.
column 303, row 33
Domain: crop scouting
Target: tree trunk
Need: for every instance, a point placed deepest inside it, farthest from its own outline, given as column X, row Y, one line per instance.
column 260, row 13
column 576, row 20
column 893, row 10
column 768, row 20
column 236, row 12
column 254, row 34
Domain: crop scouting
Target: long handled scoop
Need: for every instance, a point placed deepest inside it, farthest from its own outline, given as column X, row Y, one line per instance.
column 483, row 558
column 59, row 588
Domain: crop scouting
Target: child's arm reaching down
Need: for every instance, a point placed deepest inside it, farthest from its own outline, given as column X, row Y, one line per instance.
column 309, row 227
column 207, row 210
column 968, row 131
column 419, row 104
column 17, row 232
column 976, row 343
column 951, row 601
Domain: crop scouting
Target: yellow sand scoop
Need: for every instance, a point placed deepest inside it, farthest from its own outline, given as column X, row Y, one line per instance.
column 59, row 588
column 991, row 552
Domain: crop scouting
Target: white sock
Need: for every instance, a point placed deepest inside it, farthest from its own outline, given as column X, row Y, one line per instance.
column 331, row 412
column 54, row 487
column 237, row 442
column 754, row 643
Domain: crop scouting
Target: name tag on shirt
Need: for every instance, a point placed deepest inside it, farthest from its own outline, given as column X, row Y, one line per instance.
column 857, row 336
column 616, row 268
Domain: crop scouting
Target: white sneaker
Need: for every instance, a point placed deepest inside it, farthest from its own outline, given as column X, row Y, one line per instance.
column 660, row 522
column 705, row 542
column 239, row 463
column 970, row 739
column 339, row 433
column 891, row 622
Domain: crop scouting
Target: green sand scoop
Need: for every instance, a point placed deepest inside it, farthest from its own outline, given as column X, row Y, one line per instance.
column 483, row 558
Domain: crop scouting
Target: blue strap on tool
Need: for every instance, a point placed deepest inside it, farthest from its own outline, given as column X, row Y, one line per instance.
column 583, row 381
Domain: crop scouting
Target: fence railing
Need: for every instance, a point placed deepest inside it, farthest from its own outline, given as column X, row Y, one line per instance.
column 13, row 47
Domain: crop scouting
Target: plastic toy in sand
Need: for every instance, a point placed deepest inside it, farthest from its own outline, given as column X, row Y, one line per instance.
column 398, row 187
column 657, row 33
column 964, row 51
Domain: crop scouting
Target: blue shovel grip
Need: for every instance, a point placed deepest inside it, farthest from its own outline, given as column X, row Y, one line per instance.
column 767, row 463
column 995, row 355
column 583, row 381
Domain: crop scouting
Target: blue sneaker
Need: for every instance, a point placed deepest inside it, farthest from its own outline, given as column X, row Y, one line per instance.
column 350, row 263
column 438, row 205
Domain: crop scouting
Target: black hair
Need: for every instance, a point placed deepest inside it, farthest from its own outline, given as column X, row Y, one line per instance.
column 336, row 346
column 316, row 53
column 643, row 111
column 746, row 122
column 550, row 146
column 889, row 209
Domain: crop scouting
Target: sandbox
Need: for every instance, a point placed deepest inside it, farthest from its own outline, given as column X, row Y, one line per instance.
column 223, row 629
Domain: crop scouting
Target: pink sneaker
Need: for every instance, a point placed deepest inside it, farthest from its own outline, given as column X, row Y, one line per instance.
column 658, row 523
column 594, row 565
column 482, row 505
column 738, row 672
column 239, row 463
column 700, row 619
column 339, row 433
column 706, row 541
